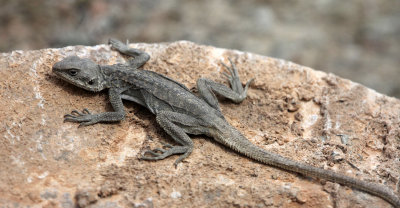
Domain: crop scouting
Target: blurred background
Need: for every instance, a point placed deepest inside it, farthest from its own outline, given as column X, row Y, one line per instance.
column 358, row 40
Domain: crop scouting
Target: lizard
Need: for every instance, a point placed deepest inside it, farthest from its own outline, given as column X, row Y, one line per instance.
column 181, row 113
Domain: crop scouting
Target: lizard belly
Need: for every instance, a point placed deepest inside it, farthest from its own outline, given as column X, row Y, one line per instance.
column 134, row 95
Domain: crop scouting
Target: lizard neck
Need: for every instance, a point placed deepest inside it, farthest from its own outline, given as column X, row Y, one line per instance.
column 103, row 76
column 114, row 76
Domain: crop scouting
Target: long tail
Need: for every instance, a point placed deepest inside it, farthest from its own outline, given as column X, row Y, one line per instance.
column 235, row 140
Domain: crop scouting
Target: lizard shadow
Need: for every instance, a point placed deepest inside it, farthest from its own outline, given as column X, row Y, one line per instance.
column 70, row 88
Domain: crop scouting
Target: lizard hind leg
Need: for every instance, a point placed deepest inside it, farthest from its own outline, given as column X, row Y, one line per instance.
column 234, row 81
column 177, row 125
column 237, row 93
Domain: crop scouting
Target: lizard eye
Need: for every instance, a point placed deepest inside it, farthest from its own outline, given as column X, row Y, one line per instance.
column 91, row 82
column 73, row 72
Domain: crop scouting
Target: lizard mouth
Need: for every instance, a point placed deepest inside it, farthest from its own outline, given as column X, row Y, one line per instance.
column 55, row 70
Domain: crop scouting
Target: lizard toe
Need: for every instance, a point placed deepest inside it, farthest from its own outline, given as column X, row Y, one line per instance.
column 166, row 153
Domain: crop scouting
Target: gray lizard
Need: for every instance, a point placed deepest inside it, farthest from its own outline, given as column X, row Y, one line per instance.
column 180, row 112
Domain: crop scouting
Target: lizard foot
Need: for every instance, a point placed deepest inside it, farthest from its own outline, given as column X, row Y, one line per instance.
column 160, row 153
column 234, row 81
column 84, row 118
column 117, row 45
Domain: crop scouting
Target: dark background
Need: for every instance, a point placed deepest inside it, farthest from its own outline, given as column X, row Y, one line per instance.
column 358, row 40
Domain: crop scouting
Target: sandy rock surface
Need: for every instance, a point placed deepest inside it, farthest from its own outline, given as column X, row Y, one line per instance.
column 306, row 115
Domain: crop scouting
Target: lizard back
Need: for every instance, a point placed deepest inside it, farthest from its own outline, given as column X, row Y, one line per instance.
column 157, row 91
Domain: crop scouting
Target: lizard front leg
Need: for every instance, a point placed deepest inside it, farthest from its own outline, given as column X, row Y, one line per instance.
column 85, row 118
column 139, row 57
column 177, row 125
column 236, row 93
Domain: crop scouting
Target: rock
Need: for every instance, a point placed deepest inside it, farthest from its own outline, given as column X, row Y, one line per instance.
column 48, row 163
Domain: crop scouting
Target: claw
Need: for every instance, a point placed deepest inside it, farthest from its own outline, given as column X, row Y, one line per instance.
column 233, row 68
column 166, row 153
column 249, row 82
column 228, row 68
column 166, row 145
column 86, row 111
column 75, row 112
column 84, row 124
column 69, row 116
column 160, row 150
column 233, row 72
column 85, row 118
column 226, row 75
column 152, row 152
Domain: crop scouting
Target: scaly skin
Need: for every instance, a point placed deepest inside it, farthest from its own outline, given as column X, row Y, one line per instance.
column 179, row 112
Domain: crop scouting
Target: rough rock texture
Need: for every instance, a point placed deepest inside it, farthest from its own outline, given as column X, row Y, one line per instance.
column 307, row 115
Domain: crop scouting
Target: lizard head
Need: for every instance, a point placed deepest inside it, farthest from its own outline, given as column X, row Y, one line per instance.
column 83, row 73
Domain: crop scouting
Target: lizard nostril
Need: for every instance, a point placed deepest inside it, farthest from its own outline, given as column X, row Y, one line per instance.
column 91, row 82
